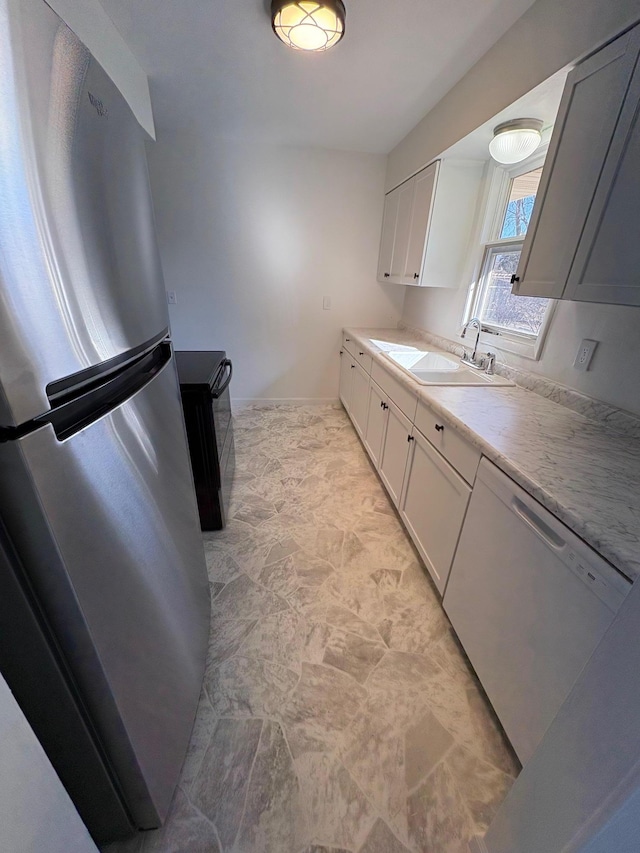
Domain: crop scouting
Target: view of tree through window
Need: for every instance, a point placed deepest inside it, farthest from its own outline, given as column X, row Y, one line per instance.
column 496, row 305
column 522, row 314
column 520, row 205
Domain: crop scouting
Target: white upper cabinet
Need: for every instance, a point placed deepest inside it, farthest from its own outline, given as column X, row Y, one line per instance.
column 427, row 224
column 580, row 244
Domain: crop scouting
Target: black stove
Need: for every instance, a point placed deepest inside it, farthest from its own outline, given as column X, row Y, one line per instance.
column 204, row 386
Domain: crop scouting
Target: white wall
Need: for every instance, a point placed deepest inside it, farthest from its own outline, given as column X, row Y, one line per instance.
column 550, row 35
column 613, row 375
column 92, row 25
column 36, row 813
column 547, row 37
column 252, row 238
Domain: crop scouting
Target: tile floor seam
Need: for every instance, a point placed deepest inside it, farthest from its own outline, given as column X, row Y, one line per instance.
column 196, row 772
column 477, row 829
column 247, row 787
column 423, row 779
column 204, row 817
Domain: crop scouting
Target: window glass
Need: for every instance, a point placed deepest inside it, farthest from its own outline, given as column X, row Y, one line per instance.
column 520, row 205
column 499, row 307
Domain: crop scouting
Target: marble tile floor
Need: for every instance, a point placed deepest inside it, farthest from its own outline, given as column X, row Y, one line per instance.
column 338, row 713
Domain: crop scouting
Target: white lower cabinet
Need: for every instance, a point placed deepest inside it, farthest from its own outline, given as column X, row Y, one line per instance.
column 429, row 481
column 395, row 450
column 433, row 505
column 347, row 366
column 359, row 398
column 376, row 422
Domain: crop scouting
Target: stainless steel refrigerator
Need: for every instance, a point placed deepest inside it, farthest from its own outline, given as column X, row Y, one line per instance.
column 104, row 600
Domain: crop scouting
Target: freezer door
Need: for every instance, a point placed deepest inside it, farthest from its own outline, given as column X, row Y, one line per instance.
column 105, row 524
column 80, row 275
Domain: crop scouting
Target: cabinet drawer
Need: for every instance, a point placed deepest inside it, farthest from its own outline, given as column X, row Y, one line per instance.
column 348, row 344
column 363, row 358
column 404, row 399
column 463, row 456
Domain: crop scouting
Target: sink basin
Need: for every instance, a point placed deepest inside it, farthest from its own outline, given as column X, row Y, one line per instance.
column 464, row 376
column 424, row 360
column 431, row 367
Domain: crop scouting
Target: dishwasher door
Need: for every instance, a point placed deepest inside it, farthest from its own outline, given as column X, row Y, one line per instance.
column 529, row 601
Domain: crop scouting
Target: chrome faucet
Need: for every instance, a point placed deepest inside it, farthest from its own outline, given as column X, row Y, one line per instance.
column 472, row 322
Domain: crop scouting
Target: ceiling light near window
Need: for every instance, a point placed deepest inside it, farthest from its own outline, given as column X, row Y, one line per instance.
column 312, row 26
column 515, row 140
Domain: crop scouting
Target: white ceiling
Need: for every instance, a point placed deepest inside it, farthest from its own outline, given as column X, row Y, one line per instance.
column 216, row 65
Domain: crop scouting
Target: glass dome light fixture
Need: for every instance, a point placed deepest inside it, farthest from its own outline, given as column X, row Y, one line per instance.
column 308, row 25
column 515, row 140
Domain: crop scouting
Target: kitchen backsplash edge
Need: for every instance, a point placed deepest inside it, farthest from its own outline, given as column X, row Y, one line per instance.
column 618, row 419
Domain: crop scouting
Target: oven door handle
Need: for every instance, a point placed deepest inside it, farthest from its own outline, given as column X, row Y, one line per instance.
column 218, row 390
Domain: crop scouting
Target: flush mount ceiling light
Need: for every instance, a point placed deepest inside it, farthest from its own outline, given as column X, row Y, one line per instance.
column 312, row 26
column 515, row 140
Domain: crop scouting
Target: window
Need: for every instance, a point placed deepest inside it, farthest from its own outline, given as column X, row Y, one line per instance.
column 517, row 323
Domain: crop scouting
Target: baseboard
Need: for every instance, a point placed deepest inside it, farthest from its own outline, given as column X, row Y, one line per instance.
column 477, row 845
column 240, row 403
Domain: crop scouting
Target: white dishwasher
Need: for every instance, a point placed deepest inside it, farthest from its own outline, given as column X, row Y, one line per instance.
column 529, row 601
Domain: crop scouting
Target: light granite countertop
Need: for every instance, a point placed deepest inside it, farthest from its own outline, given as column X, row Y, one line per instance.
column 583, row 471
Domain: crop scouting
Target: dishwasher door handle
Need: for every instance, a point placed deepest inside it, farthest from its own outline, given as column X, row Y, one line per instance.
column 539, row 527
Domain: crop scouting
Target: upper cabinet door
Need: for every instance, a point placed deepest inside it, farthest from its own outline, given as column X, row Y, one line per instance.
column 403, row 225
column 589, row 138
column 424, row 185
column 607, row 263
column 389, row 220
column 427, row 224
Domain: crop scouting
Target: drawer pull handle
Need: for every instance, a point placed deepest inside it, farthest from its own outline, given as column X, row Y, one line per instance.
column 439, row 428
column 385, row 406
column 381, row 404
column 360, row 353
column 352, row 366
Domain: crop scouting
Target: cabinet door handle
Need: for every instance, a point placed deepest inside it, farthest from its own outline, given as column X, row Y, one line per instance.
column 515, row 278
column 381, row 404
column 341, row 352
column 416, row 275
column 384, row 406
column 386, row 275
column 360, row 353
column 439, row 428
column 410, row 438
column 352, row 366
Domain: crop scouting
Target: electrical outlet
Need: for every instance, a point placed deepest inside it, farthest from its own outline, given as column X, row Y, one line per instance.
column 172, row 297
column 585, row 354
column 326, row 303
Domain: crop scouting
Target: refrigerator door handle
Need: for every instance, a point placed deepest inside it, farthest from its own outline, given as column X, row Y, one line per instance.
column 218, row 390
column 72, row 417
column 69, row 418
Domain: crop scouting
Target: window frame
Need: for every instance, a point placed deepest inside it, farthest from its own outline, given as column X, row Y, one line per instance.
column 499, row 180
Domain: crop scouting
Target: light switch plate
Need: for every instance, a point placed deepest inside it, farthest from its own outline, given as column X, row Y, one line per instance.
column 326, row 303
column 585, row 354
column 172, row 297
